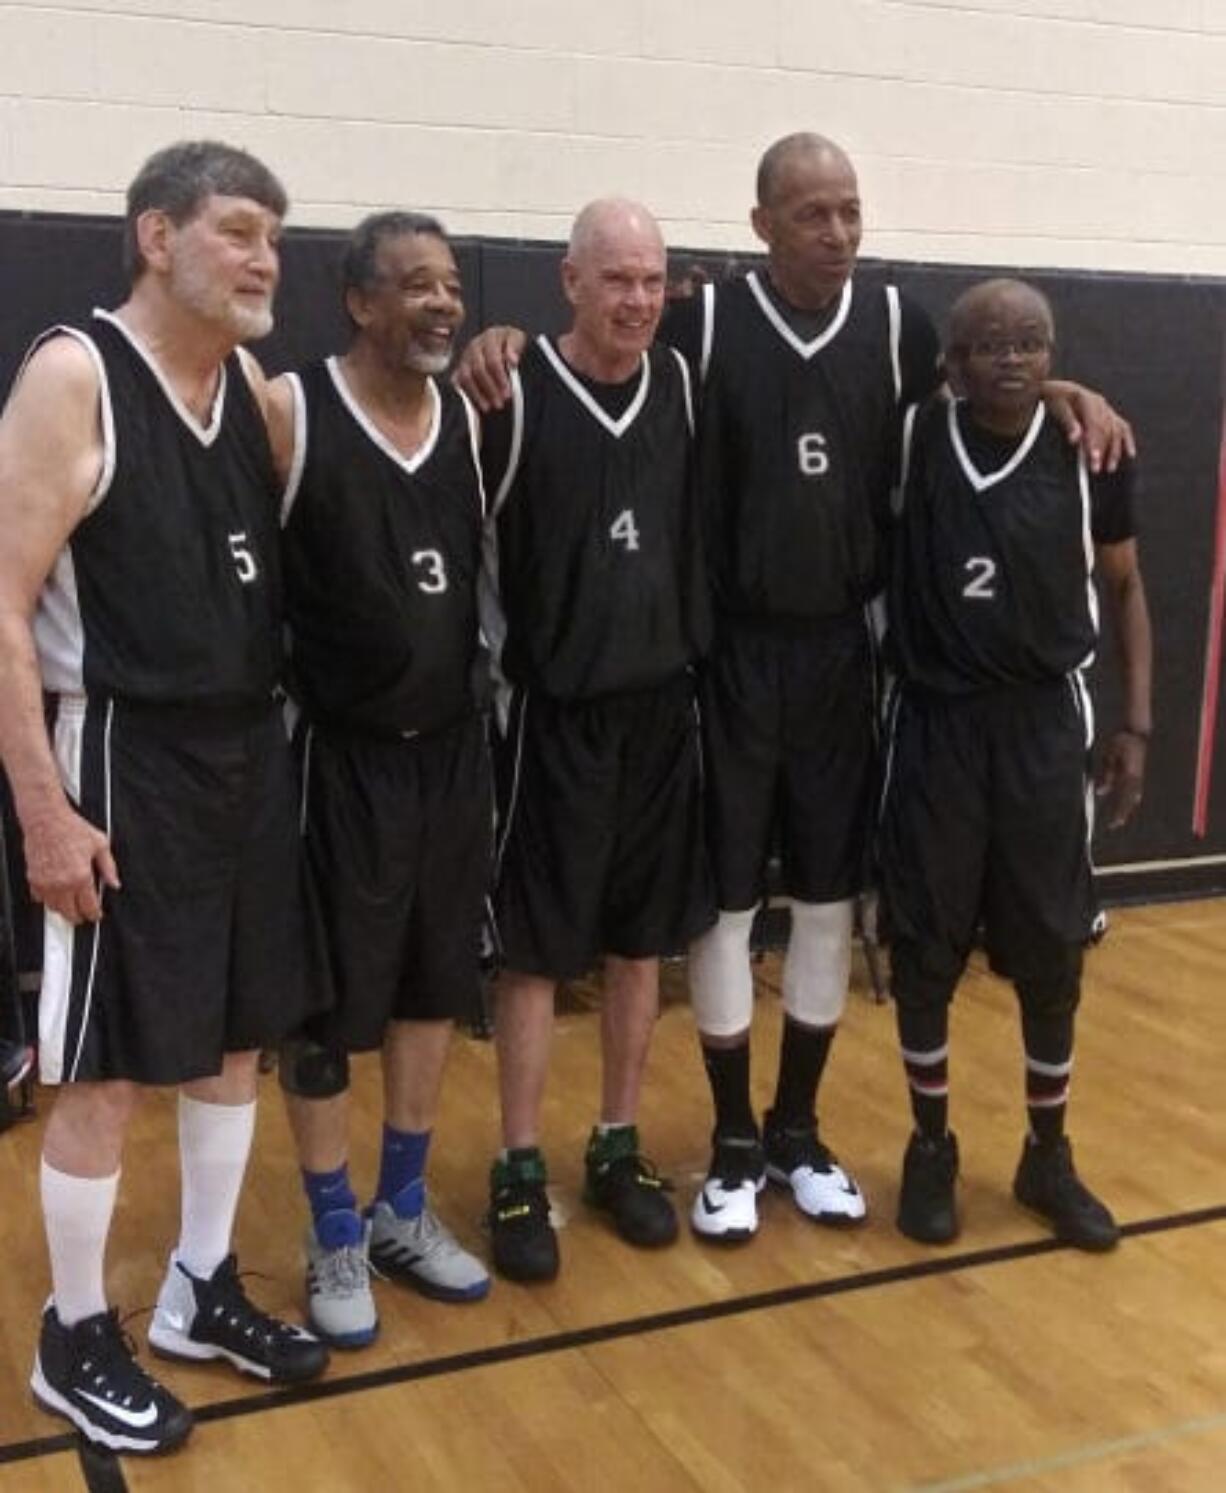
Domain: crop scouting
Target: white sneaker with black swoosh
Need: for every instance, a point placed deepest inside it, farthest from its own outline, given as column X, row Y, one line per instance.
column 726, row 1208
column 88, row 1374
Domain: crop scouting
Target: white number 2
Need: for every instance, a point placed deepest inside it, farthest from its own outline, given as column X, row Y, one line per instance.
column 244, row 560
column 435, row 578
column 983, row 573
column 623, row 530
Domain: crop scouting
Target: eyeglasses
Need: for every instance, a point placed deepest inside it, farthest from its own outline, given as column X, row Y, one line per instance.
column 993, row 349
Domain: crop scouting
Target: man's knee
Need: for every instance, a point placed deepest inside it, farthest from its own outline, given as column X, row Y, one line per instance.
column 923, row 976
column 313, row 1070
column 1052, row 987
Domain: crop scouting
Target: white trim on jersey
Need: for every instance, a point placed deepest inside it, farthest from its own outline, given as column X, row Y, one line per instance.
column 474, row 445
column 517, row 445
column 981, row 481
column 685, row 387
column 894, row 312
column 59, row 935
column 898, row 497
column 205, row 433
column 423, row 453
column 308, row 743
column 708, row 329
column 293, row 482
column 106, row 412
column 1087, row 542
column 773, row 315
column 616, row 428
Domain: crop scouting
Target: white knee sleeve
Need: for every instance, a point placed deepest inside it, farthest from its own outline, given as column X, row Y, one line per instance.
column 721, row 981
column 818, row 962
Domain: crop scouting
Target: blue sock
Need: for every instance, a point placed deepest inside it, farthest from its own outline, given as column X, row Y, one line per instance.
column 401, row 1171
column 334, row 1208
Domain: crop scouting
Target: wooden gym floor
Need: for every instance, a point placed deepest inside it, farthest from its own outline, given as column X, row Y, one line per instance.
column 810, row 1359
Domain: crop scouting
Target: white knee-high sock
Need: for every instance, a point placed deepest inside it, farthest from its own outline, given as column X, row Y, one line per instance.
column 214, row 1143
column 77, row 1217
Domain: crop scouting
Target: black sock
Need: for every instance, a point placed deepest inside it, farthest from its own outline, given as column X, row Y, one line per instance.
column 803, row 1051
column 728, row 1074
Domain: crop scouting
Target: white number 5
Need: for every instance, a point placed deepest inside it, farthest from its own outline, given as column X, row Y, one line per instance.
column 983, row 573
column 244, row 560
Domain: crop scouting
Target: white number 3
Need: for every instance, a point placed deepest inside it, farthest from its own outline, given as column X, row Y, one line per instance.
column 435, row 578
column 623, row 530
column 244, row 560
column 983, row 573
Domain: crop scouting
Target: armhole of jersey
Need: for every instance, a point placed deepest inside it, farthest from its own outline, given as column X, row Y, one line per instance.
column 708, row 329
column 474, row 445
column 904, row 460
column 517, row 442
column 298, row 460
column 894, row 311
column 685, row 386
column 106, row 414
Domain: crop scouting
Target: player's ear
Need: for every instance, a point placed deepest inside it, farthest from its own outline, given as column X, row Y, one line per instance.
column 154, row 231
column 570, row 280
column 760, row 222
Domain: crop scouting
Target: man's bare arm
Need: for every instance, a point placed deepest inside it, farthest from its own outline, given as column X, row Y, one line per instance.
column 1121, row 770
column 50, row 459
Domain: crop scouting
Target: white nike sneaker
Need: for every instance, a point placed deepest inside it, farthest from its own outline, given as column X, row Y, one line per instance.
column 726, row 1208
column 821, row 1188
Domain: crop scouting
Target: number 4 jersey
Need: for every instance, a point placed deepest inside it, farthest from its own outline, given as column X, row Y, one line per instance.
column 168, row 590
column 596, row 556
column 382, row 552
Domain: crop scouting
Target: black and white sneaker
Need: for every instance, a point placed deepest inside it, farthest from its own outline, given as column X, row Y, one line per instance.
column 201, row 1319
column 726, row 1208
column 87, row 1373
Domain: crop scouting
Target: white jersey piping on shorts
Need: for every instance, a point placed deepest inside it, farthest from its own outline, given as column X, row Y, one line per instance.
column 307, row 744
column 616, row 428
column 59, row 633
column 891, row 712
column 773, row 315
column 513, row 796
column 59, row 935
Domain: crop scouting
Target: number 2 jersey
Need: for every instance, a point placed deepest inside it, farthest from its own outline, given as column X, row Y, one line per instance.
column 168, row 590
column 991, row 580
column 797, row 438
column 596, row 556
column 382, row 554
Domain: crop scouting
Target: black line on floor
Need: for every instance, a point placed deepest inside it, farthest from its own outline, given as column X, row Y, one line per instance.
column 607, row 1332
column 101, row 1469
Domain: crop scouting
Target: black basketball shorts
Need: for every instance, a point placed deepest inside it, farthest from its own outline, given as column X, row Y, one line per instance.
column 789, row 748
column 601, row 848
column 397, row 835
column 986, row 818
column 199, row 952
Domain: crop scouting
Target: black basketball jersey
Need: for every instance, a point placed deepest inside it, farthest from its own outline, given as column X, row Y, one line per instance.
column 797, row 440
column 597, row 560
column 169, row 589
column 991, row 581
column 382, row 555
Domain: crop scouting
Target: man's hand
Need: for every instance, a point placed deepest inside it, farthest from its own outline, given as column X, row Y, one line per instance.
column 483, row 371
column 1121, row 775
column 1090, row 422
column 66, row 857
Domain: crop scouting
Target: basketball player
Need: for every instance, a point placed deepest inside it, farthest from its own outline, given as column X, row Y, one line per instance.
column 993, row 621
column 600, row 845
column 801, row 372
column 382, row 515
column 139, row 579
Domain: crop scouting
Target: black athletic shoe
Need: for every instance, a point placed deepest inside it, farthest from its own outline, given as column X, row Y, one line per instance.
column 926, row 1208
column 625, row 1185
column 522, row 1240
column 1047, row 1183
column 202, row 1319
column 87, row 1373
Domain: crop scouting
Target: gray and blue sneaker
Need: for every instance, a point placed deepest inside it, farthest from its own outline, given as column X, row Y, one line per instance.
column 340, row 1303
column 422, row 1252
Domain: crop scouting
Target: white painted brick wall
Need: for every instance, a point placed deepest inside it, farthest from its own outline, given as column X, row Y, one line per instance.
column 1034, row 132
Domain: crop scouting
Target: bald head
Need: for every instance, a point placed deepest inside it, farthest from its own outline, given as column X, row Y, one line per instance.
column 995, row 305
column 612, row 223
column 613, row 276
column 781, row 159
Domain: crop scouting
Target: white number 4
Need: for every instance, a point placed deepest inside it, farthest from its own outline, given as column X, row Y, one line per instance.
column 244, row 560
column 983, row 573
column 623, row 530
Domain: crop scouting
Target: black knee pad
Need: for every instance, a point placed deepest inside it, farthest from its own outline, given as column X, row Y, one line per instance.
column 311, row 1070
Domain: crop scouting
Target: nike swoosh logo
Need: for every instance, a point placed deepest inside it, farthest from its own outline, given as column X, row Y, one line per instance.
column 135, row 1418
column 175, row 1320
column 709, row 1207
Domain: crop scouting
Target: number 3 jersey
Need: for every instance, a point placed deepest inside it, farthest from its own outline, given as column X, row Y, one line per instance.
column 595, row 557
column 991, row 580
column 382, row 554
column 168, row 590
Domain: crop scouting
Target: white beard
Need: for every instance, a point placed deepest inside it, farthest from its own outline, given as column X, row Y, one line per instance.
column 246, row 321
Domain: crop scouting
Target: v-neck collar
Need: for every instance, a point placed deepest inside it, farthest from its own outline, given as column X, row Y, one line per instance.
column 780, row 323
column 206, row 434
column 981, row 481
column 616, row 428
column 408, row 464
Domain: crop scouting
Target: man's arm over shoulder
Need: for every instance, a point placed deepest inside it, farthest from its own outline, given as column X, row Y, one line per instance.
column 52, row 458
